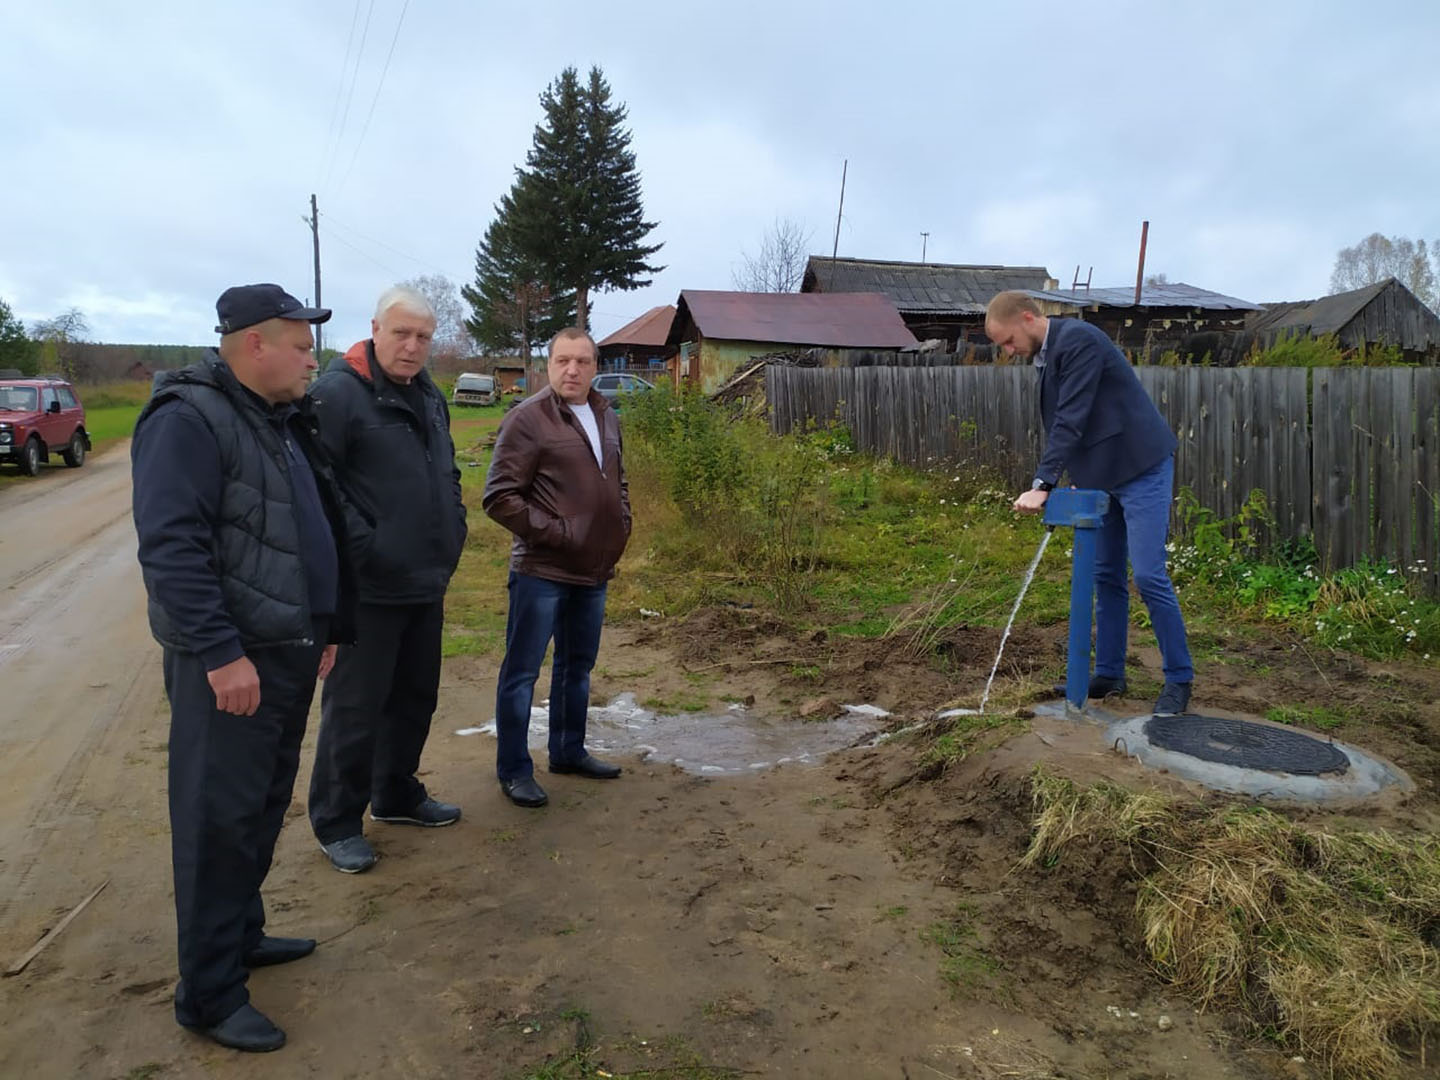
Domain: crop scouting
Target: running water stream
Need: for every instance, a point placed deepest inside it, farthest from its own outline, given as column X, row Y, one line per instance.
column 1024, row 588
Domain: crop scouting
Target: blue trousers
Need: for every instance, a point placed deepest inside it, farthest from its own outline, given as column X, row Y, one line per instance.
column 1134, row 530
column 539, row 611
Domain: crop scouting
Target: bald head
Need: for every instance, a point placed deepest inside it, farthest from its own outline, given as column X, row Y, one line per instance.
column 1014, row 323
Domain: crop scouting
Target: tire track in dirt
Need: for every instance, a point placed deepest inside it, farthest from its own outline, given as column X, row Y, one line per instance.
column 74, row 657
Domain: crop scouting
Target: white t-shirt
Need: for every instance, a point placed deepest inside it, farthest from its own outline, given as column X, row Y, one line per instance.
column 586, row 415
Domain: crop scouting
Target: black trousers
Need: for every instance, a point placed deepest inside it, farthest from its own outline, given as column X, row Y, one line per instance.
column 375, row 715
column 231, row 778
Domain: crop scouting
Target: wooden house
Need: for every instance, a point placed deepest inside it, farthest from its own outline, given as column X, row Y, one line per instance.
column 938, row 301
column 1173, row 317
column 640, row 343
column 718, row 334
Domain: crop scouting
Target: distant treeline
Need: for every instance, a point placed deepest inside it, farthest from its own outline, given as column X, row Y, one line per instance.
column 97, row 362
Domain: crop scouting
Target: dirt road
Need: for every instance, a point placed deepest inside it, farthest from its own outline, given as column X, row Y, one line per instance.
column 802, row 922
column 74, row 667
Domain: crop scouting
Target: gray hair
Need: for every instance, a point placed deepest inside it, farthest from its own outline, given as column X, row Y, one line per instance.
column 405, row 298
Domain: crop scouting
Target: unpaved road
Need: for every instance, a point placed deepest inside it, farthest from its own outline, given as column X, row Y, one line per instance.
column 781, row 924
column 75, row 668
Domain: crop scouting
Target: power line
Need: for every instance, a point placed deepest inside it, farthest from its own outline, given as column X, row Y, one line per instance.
column 364, row 254
column 339, row 91
column 355, row 78
column 333, row 220
column 375, row 100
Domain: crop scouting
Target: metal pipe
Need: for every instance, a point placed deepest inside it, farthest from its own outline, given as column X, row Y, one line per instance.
column 1140, row 273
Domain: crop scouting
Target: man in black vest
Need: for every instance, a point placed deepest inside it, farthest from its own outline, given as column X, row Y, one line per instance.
column 243, row 547
column 387, row 428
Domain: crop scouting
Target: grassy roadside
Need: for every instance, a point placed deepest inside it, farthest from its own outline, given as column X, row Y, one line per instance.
column 1327, row 942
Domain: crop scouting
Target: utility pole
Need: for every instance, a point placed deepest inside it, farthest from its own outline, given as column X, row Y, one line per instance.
column 315, row 238
column 834, row 251
column 924, row 246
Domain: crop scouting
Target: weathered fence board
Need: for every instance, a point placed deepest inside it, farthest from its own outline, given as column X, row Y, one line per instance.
column 1348, row 456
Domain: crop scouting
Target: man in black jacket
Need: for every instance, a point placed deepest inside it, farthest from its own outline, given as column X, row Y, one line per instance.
column 387, row 427
column 243, row 547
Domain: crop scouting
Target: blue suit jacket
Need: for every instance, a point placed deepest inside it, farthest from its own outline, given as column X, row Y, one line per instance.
column 1100, row 425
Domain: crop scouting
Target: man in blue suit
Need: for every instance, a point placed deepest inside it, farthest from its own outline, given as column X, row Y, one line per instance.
column 1103, row 429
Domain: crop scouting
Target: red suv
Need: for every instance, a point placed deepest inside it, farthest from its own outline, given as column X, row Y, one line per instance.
column 39, row 417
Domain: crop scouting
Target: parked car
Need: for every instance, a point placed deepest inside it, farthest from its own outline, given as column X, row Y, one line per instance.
column 38, row 417
column 474, row 389
column 612, row 384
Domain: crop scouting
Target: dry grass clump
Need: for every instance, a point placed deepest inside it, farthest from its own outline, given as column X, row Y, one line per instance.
column 1326, row 942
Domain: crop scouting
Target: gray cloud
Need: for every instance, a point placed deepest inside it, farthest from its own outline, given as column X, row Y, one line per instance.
column 169, row 150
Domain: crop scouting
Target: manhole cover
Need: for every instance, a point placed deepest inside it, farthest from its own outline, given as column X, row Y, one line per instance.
column 1247, row 745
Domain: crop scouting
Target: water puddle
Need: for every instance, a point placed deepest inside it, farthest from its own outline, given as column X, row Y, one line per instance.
column 735, row 741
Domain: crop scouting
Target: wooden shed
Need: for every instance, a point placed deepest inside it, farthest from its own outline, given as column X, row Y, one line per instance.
column 1386, row 313
column 938, row 301
column 1173, row 317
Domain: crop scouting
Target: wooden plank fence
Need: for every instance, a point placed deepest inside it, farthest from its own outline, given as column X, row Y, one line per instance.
column 1347, row 456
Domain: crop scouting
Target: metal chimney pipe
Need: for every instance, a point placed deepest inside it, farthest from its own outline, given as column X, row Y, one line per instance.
column 1140, row 273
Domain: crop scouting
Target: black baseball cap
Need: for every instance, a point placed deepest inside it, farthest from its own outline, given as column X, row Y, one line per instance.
column 245, row 305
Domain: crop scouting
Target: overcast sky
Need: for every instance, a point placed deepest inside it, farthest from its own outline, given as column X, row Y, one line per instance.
column 159, row 151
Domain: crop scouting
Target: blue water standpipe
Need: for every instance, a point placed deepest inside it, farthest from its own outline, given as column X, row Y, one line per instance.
column 1082, row 511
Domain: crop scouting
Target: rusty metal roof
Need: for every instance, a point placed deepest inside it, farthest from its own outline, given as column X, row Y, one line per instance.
column 928, row 288
column 836, row 320
column 652, row 328
column 1171, row 294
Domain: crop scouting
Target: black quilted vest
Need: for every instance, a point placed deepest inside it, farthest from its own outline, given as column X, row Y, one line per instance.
column 257, row 543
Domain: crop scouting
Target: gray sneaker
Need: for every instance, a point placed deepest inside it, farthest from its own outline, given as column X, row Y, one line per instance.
column 351, row 855
column 1174, row 700
column 431, row 813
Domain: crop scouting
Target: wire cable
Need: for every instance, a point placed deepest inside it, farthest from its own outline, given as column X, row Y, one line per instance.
column 375, row 100
column 333, row 235
column 333, row 221
column 339, row 93
column 355, row 78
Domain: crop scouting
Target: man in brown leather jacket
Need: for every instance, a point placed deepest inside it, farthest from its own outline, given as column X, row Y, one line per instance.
column 556, row 481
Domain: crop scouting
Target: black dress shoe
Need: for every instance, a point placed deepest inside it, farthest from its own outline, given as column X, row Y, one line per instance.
column 247, row 1028
column 278, row 950
column 524, row 791
column 589, row 766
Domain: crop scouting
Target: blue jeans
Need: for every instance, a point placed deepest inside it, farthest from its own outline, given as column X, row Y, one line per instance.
column 541, row 610
column 1135, row 528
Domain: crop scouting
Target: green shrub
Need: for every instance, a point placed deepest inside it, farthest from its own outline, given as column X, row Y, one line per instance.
column 1297, row 350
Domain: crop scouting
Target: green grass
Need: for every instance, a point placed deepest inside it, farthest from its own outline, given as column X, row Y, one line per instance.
column 966, row 735
column 627, row 1057
column 1317, row 716
column 964, row 963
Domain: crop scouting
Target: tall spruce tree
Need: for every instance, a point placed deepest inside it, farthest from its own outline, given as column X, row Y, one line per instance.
column 512, row 306
column 17, row 350
column 577, row 210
